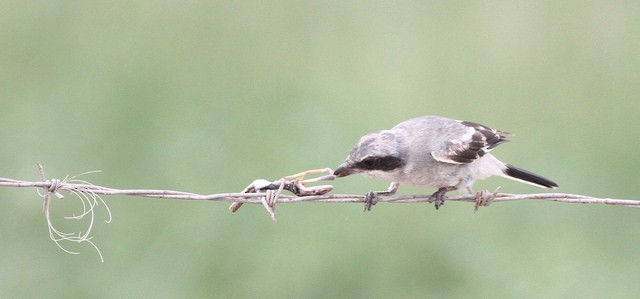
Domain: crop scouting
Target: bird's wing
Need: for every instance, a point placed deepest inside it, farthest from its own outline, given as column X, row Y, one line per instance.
column 468, row 142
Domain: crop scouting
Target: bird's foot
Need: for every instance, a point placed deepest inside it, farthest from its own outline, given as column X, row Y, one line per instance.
column 372, row 197
column 370, row 200
column 438, row 197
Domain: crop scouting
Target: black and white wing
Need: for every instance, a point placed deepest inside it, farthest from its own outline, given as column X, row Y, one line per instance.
column 468, row 142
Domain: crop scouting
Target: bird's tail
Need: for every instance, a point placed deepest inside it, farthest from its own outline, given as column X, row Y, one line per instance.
column 528, row 177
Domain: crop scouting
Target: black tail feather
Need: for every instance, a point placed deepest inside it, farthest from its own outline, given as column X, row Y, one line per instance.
column 530, row 177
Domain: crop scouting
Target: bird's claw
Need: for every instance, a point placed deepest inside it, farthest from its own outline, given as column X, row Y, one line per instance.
column 438, row 199
column 370, row 200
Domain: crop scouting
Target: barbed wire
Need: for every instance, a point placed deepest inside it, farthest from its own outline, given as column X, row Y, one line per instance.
column 260, row 191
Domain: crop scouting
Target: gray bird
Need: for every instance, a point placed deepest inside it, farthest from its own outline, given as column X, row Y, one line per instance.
column 434, row 152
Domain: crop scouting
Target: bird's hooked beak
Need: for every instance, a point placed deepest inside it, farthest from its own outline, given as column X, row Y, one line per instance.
column 344, row 169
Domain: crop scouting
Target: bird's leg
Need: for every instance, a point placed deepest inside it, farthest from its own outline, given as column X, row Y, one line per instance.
column 438, row 196
column 371, row 198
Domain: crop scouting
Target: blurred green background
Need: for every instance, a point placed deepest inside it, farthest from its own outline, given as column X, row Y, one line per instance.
column 207, row 96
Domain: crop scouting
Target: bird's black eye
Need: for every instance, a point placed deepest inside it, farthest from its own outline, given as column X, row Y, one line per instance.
column 369, row 162
column 386, row 163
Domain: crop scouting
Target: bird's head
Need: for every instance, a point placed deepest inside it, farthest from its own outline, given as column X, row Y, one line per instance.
column 375, row 152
